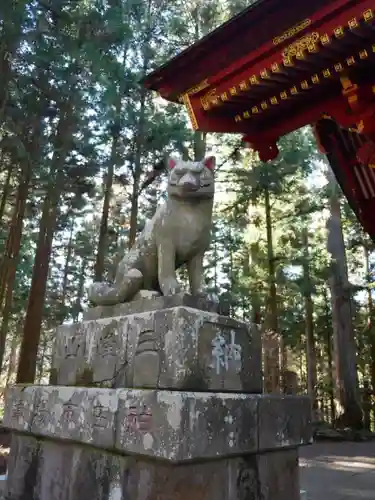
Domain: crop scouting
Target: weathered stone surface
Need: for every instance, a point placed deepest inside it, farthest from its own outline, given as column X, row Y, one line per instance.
column 70, row 351
column 19, row 408
column 87, row 415
column 154, row 303
column 23, row 468
column 90, row 352
column 42, row 470
column 184, row 348
column 171, row 425
column 284, row 421
column 55, row 465
column 166, row 424
column 175, row 348
column 278, row 475
column 146, row 295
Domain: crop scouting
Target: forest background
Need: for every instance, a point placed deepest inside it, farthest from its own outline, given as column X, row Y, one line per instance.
column 79, row 136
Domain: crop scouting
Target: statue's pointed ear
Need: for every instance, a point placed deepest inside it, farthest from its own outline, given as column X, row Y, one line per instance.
column 171, row 163
column 210, row 162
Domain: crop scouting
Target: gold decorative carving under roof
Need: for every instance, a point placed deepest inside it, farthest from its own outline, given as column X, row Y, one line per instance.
column 194, row 90
column 210, row 98
column 314, row 80
column 292, row 31
column 298, row 48
column 311, row 42
column 190, row 110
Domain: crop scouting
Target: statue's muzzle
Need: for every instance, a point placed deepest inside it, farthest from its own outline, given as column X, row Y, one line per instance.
column 189, row 183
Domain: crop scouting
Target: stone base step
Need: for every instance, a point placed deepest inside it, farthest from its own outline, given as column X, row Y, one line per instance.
column 176, row 426
column 56, row 470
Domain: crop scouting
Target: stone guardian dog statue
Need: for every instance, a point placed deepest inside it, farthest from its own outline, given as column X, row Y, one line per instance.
column 179, row 233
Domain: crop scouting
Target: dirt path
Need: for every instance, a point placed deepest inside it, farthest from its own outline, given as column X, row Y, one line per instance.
column 338, row 471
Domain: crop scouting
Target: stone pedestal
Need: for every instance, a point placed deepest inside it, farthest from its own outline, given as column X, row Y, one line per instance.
column 171, row 345
column 172, row 410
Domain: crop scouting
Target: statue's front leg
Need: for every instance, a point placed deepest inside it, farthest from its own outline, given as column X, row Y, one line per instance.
column 167, row 269
column 195, row 271
column 103, row 294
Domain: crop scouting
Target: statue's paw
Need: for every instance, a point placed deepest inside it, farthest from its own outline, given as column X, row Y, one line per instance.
column 130, row 285
column 170, row 287
column 96, row 291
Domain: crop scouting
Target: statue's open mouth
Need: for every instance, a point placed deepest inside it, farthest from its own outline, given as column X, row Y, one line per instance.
column 189, row 187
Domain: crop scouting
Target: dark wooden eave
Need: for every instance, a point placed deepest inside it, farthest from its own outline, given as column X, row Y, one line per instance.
column 251, row 29
column 237, row 79
column 242, row 79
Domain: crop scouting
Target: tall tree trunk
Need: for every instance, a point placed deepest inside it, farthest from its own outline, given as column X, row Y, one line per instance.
column 8, row 266
column 6, row 190
column 232, row 310
column 40, row 367
column 61, row 313
column 141, row 135
column 246, row 273
column 109, row 175
column 13, row 355
column 81, row 288
column 7, row 312
column 271, row 319
column 301, row 358
column 13, row 243
column 331, row 380
column 115, row 132
column 343, row 334
column 371, row 322
column 309, row 321
column 255, row 298
column 68, row 259
column 34, row 311
column 137, row 168
column 103, row 231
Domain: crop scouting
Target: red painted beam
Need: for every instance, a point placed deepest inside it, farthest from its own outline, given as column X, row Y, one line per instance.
column 253, row 27
column 268, row 50
column 225, row 81
column 269, row 132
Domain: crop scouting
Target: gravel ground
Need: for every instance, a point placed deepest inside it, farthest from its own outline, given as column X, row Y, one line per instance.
column 338, row 471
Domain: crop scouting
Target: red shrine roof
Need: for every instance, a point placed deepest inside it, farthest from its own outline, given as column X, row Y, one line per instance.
column 280, row 65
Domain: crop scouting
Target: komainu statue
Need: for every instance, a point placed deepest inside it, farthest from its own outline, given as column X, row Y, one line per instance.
column 179, row 233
